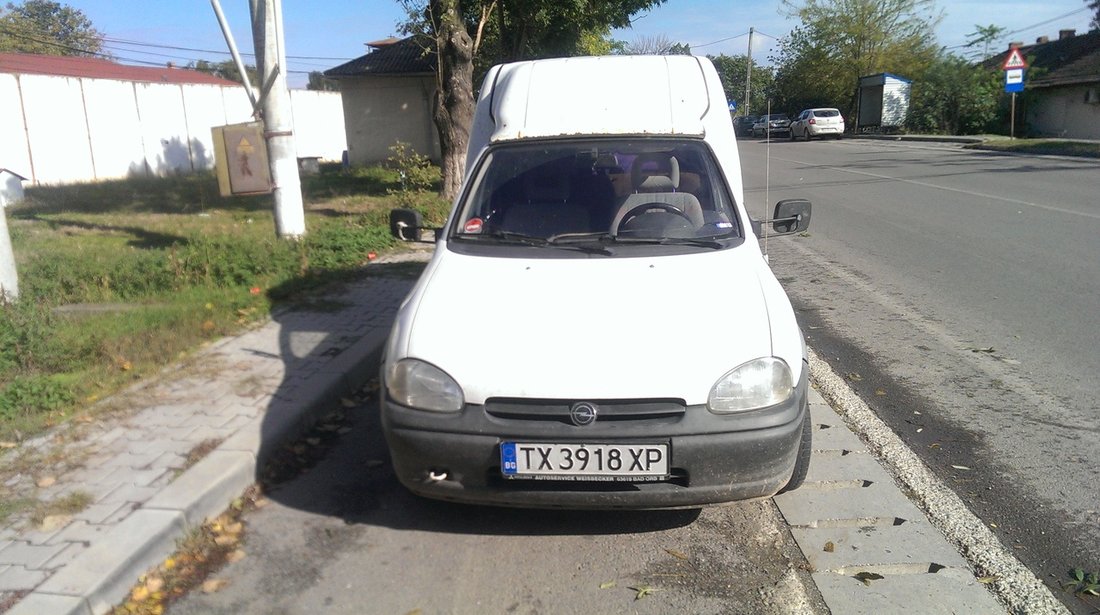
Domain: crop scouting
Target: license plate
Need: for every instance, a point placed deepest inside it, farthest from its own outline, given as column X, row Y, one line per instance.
column 558, row 461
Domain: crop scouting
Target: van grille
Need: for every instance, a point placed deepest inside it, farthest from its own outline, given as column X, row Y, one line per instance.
column 655, row 410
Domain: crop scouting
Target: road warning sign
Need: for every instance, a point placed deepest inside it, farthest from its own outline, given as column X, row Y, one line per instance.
column 1015, row 60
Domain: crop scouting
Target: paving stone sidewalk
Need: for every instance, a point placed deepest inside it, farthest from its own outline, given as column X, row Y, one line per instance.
column 128, row 470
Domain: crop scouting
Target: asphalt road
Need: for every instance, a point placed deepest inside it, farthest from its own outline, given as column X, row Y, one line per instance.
column 345, row 537
column 958, row 290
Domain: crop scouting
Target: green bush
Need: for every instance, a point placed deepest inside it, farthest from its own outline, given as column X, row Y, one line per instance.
column 25, row 396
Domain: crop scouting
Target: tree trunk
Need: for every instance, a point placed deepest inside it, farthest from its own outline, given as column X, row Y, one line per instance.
column 453, row 110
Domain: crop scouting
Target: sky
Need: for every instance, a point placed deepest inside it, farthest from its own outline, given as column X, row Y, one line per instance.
column 321, row 34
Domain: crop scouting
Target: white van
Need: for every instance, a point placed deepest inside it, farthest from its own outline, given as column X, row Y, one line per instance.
column 598, row 327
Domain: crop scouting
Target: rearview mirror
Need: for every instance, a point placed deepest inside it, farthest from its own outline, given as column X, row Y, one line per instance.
column 791, row 216
column 405, row 224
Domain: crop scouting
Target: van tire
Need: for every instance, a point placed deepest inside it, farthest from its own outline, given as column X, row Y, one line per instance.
column 802, row 462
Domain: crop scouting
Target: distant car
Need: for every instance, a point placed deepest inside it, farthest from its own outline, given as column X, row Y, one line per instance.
column 776, row 122
column 823, row 122
column 743, row 124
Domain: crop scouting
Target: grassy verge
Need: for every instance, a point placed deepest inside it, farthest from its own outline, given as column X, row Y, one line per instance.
column 1057, row 147
column 119, row 279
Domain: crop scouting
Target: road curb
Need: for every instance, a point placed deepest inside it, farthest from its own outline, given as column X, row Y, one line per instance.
column 1012, row 582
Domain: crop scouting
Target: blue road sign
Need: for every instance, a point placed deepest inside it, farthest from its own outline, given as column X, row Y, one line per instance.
column 733, row 106
column 1014, row 80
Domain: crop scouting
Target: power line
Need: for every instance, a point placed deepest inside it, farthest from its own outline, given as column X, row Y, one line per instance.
column 730, row 38
column 1026, row 28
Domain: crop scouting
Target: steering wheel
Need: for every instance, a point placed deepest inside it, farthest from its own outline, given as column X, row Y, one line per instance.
column 637, row 210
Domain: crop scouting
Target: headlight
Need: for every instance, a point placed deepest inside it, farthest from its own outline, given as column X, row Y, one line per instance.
column 423, row 386
column 756, row 384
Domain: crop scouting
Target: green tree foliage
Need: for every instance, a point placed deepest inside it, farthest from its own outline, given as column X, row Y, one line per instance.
column 985, row 37
column 1095, row 6
column 227, row 69
column 48, row 28
column 841, row 40
column 317, row 81
column 955, row 97
column 732, row 71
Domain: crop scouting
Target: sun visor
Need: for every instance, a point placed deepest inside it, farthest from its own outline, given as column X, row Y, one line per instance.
column 610, row 95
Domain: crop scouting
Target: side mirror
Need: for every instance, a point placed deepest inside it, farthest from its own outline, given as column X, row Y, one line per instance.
column 405, row 224
column 791, row 216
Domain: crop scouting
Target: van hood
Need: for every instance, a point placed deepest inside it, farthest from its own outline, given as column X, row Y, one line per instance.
column 600, row 328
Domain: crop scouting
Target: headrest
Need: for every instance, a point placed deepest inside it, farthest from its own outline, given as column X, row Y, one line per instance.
column 540, row 188
column 657, row 183
column 654, row 164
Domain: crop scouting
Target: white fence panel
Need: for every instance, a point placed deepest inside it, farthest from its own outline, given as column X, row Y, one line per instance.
column 13, row 142
column 56, row 128
column 203, row 107
column 115, row 128
column 238, row 108
column 164, row 128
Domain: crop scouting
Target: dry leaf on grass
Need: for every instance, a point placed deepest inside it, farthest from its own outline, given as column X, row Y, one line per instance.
column 235, row 556
column 46, row 481
column 212, row 585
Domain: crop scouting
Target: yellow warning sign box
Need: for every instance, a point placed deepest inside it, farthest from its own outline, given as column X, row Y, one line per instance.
column 240, row 159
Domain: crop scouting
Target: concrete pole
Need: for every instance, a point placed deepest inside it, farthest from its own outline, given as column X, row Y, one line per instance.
column 9, row 280
column 267, row 32
column 748, row 74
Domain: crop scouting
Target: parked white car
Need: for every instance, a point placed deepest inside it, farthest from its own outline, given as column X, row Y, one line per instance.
column 823, row 122
column 598, row 327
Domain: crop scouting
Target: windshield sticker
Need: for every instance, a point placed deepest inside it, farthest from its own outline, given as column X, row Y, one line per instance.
column 473, row 225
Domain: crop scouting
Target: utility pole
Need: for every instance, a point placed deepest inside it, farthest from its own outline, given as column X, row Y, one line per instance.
column 9, row 279
column 748, row 74
column 267, row 35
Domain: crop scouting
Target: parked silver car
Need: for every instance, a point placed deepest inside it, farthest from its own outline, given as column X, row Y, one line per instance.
column 776, row 122
column 823, row 122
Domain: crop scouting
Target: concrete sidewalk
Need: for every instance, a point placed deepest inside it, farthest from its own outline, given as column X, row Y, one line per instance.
column 250, row 393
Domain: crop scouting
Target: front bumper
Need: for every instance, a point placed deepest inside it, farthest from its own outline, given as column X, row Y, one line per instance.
column 714, row 458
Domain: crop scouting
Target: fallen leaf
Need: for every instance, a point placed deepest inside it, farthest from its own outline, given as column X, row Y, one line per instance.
column 213, row 585
column 880, row 392
column 8, row 444
column 235, row 556
column 854, row 376
column 867, row 577
column 643, row 591
column 54, row 522
column 829, row 547
column 139, row 594
column 988, row 580
column 920, row 429
column 234, row 528
column 607, row 584
column 677, row 554
column 154, row 584
column 208, row 326
column 226, row 540
column 934, row 445
column 169, row 563
column 46, row 481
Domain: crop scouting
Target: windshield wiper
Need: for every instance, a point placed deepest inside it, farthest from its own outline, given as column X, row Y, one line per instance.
column 531, row 240
column 670, row 241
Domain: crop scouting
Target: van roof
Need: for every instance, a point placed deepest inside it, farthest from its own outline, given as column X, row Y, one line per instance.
column 606, row 95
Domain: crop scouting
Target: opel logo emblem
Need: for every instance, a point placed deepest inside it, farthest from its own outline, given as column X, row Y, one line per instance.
column 583, row 413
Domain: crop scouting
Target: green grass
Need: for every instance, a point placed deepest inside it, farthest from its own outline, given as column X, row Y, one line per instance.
column 118, row 279
column 1058, row 147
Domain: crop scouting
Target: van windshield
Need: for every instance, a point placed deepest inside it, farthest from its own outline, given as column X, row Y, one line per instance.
column 611, row 191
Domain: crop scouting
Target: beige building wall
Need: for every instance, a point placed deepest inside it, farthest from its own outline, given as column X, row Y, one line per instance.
column 1063, row 112
column 379, row 111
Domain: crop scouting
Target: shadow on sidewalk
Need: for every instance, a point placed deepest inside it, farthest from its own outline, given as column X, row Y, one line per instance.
column 341, row 467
